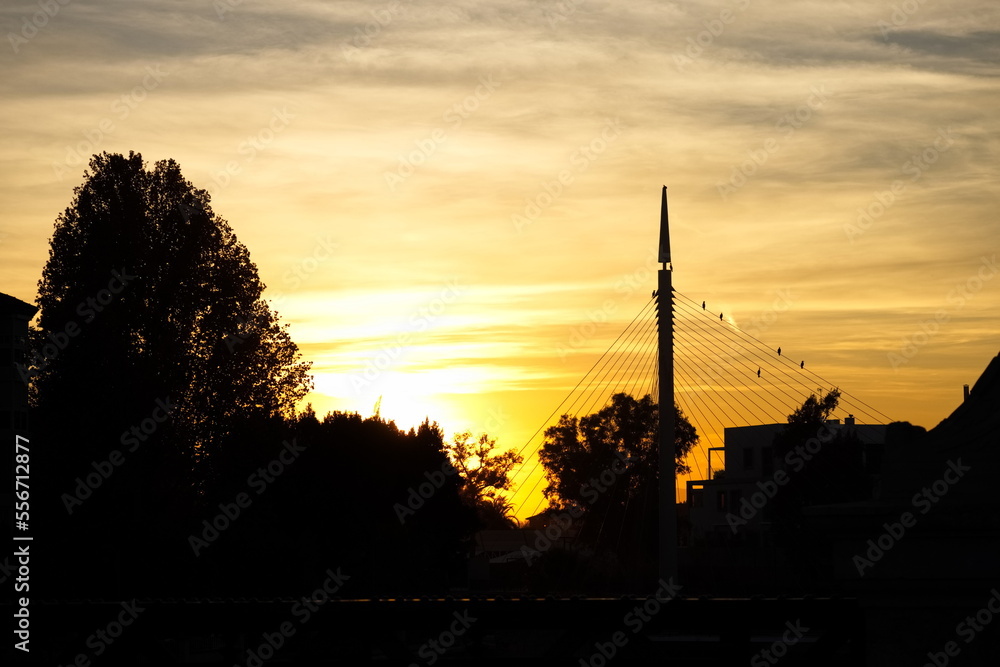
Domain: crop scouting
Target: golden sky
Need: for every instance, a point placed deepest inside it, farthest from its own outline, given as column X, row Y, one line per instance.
column 443, row 194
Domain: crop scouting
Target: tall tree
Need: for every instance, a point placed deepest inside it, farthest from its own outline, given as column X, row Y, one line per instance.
column 607, row 464
column 168, row 304
column 576, row 452
column 152, row 318
column 484, row 476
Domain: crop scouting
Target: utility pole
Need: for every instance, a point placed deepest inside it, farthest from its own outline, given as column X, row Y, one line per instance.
column 667, row 473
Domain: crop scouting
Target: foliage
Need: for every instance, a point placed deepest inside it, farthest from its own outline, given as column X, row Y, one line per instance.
column 168, row 305
column 483, row 476
column 577, row 451
column 150, row 315
column 608, row 464
column 352, row 500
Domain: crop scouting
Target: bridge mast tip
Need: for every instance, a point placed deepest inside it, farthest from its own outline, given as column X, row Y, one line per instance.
column 667, row 489
column 664, row 257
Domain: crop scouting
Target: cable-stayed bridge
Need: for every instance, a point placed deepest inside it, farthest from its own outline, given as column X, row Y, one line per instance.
column 675, row 350
column 723, row 377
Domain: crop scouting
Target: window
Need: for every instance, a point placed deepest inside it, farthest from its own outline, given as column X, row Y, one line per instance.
column 767, row 461
column 695, row 497
column 748, row 458
column 721, row 501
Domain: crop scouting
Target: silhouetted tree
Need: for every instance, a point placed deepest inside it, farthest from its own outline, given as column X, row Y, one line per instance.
column 364, row 495
column 607, row 464
column 624, row 433
column 483, row 476
column 151, row 317
column 497, row 512
column 173, row 306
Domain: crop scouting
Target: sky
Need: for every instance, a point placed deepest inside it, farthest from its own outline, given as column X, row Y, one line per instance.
column 455, row 206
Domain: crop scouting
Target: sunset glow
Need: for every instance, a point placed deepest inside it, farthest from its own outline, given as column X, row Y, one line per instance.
column 455, row 207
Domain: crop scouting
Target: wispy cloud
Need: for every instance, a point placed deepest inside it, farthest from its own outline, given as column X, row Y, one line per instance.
column 892, row 86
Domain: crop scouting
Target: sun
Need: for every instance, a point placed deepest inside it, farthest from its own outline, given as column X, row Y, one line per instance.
column 404, row 397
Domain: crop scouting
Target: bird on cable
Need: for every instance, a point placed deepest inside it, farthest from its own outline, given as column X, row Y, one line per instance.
column 703, row 305
column 758, row 372
column 802, row 364
column 720, row 316
column 779, row 351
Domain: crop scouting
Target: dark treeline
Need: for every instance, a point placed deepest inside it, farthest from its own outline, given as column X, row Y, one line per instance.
column 171, row 459
column 169, row 453
column 295, row 498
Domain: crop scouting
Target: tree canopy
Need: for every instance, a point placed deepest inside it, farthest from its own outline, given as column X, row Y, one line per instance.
column 577, row 450
column 167, row 305
column 484, row 476
column 607, row 464
column 154, row 353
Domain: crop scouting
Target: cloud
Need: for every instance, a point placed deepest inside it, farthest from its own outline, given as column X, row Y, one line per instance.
column 368, row 87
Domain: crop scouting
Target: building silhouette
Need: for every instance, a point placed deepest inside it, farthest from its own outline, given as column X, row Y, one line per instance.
column 746, row 478
column 923, row 553
column 14, row 317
